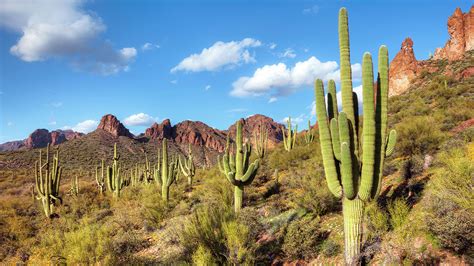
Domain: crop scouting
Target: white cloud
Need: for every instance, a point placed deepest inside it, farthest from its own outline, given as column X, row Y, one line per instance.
column 174, row 81
column 84, row 126
column 52, row 123
column 140, row 119
column 10, row 123
column 280, row 79
column 207, row 87
column 272, row 99
column 288, row 53
column 218, row 56
column 62, row 29
column 272, row 45
column 296, row 120
column 311, row 10
column 149, row 46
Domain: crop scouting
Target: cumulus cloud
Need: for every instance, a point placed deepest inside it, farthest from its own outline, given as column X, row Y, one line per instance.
column 288, row 53
column 149, row 46
column 295, row 120
column 140, row 119
column 207, row 87
column 62, row 29
column 272, row 99
column 84, row 126
column 219, row 56
column 272, row 46
column 280, row 79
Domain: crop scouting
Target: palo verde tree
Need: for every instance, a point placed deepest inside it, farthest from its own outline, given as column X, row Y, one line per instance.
column 353, row 165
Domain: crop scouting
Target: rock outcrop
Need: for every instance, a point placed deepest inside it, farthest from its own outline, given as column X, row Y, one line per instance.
column 252, row 124
column 403, row 68
column 199, row 134
column 112, row 125
column 160, row 131
column 461, row 36
column 40, row 139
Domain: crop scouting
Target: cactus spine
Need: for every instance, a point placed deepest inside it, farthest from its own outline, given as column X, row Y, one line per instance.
column 168, row 172
column 47, row 182
column 100, row 179
column 187, row 168
column 114, row 179
column 289, row 140
column 261, row 140
column 350, row 173
column 237, row 169
column 309, row 136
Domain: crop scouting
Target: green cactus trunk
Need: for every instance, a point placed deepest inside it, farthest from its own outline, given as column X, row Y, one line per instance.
column 353, row 167
column 238, row 169
column 352, row 212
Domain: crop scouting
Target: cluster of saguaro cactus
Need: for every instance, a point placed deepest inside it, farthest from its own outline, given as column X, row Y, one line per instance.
column 309, row 136
column 261, row 139
column 187, row 166
column 115, row 182
column 353, row 166
column 238, row 169
column 47, row 179
column 169, row 171
column 74, row 191
column 100, row 179
column 289, row 140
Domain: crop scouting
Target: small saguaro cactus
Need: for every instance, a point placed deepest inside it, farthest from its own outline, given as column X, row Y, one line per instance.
column 168, row 172
column 187, row 167
column 100, row 179
column 289, row 140
column 157, row 169
column 353, row 166
column 261, row 139
column 114, row 179
column 309, row 136
column 47, row 181
column 147, row 172
column 238, row 169
column 135, row 175
column 74, row 191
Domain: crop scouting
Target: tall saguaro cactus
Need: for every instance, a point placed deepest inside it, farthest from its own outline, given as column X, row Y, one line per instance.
column 353, row 167
column 47, row 181
column 114, row 179
column 238, row 169
column 261, row 140
column 187, row 166
column 309, row 136
column 168, row 172
column 289, row 141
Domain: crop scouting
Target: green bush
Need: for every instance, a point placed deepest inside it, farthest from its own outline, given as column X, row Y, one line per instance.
column 315, row 196
column 451, row 201
column 376, row 221
column 418, row 135
column 398, row 210
column 303, row 239
column 203, row 257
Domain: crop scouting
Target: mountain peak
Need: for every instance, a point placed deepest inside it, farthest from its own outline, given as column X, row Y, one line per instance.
column 112, row 125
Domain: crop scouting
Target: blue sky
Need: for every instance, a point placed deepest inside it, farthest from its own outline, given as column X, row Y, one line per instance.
column 64, row 64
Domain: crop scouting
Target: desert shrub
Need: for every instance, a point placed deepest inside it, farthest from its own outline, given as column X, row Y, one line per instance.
column 237, row 243
column 315, row 196
column 279, row 158
column 218, row 231
column 329, row 248
column 153, row 209
column 303, row 238
column 202, row 256
column 376, row 221
column 451, row 201
column 418, row 135
column 216, row 189
column 412, row 166
column 398, row 210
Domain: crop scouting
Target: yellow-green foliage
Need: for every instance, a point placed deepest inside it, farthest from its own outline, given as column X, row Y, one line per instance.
column 202, row 256
column 303, row 238
column 418, row 135
column 398, row 210
column 237, row 243
column 376, row 221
